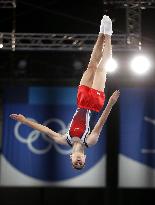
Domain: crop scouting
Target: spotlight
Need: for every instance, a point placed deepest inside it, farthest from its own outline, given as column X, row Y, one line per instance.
column 1, row 45
column 111, row 65
column 1, row 40
column 140, row 64
column 77, row 65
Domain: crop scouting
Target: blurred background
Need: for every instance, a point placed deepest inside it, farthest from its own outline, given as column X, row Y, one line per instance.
column 45, row 46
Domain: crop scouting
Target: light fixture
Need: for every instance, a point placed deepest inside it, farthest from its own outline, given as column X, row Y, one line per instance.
column 140, row 64
column 111, row 65
column 1, row 40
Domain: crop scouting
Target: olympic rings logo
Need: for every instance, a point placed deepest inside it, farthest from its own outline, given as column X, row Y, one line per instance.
column 34, row 135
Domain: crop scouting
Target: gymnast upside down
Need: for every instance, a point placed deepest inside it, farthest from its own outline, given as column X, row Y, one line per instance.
column 90, row 97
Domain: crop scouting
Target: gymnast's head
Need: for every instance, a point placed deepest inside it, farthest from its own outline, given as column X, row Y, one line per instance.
column 78, row 159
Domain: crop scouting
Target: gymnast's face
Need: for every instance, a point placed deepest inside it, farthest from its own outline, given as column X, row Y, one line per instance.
column 78, row 160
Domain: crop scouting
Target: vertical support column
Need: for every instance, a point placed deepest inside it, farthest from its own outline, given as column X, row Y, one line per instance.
column 111, row 196
column 1, row 114
column 133, row 23
column 14, row 26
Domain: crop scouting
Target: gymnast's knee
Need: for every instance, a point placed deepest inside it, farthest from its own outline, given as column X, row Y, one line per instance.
column 92, row 66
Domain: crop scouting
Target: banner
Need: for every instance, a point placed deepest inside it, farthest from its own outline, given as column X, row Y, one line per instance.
column 30, row 158
column 137, row 138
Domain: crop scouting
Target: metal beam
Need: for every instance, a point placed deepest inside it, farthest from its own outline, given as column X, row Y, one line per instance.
column 58, row 42
column 7, row 4
column 124, row 3
column 133, row 18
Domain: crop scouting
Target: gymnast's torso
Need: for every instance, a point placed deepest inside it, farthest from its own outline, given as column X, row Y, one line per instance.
column 79, row 127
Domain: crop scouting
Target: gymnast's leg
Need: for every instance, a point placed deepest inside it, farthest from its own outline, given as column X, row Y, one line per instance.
column 88, row 75
column 100, row 73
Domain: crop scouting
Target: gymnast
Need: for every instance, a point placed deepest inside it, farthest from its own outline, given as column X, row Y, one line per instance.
column 90, row 98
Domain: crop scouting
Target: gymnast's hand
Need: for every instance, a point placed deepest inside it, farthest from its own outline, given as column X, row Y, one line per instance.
column 18, row 117
column 113, row 99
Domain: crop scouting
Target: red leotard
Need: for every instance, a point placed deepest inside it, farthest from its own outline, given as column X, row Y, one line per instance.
column 79, row 127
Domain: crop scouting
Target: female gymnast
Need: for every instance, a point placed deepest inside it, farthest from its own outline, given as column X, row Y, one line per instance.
column 90, row 97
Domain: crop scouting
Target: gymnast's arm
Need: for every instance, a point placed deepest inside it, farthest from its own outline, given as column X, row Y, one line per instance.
column 93, row 137
column 58, row 138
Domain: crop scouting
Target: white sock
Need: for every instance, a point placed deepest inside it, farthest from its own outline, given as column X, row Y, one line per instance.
column 107, row 25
